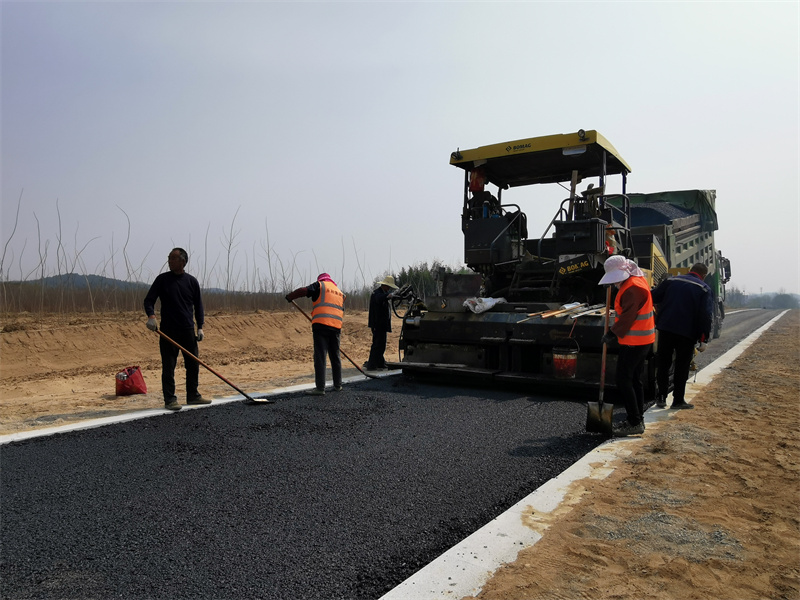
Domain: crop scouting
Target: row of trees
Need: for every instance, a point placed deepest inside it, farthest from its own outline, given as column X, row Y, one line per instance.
column 221, row 264
column 736, row 298
column 96, row 294
column 93, row 294
column 59, row 280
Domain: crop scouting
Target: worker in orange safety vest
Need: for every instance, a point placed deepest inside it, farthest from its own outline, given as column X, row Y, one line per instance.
column 634, row 330
column 326, row 327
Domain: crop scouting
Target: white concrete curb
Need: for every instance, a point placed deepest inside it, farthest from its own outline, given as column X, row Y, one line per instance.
column 464, row 569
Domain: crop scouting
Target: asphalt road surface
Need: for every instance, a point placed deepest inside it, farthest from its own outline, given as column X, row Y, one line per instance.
column 340, row 497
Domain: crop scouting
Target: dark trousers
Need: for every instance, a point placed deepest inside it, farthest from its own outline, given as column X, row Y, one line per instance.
column 169, row 359
column 682, row 348
column 376, row 360
column 326, row 345
column 630, row 366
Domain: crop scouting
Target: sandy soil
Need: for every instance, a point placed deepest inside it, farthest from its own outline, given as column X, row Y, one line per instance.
column 59, row 369
column 705, row 506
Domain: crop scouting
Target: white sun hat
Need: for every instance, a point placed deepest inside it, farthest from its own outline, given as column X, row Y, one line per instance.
column 618, row 268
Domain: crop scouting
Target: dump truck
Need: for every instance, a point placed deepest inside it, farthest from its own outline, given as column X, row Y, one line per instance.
column 530, row 311
column 679, row 227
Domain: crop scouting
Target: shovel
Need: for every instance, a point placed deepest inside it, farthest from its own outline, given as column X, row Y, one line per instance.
column 340, row 350
column 248, row 399
column 600, row 415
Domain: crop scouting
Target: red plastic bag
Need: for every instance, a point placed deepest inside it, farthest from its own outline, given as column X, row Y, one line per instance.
column 130, row 381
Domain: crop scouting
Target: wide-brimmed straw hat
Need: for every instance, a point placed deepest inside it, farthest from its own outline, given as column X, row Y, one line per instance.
column 616, row 270
column 388, row 280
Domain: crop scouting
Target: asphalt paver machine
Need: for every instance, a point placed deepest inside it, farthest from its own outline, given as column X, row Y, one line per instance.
column 531, row 310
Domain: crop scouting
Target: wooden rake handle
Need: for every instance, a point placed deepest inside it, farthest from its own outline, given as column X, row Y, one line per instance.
column 605, row 346
column 185, row 351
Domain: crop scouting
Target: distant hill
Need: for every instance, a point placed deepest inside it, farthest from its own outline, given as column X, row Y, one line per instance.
column 81, row 282
column 76, row 281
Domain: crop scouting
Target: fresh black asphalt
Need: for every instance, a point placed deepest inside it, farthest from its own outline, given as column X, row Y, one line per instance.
column 339, row 497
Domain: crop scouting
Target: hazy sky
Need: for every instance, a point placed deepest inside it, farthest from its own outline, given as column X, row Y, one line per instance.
column 322, row 131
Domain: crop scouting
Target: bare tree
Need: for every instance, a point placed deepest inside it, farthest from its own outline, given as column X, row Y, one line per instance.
column 204, row 271
column 79, row 262
column 112, row 262
column 125, row 258
column 60, row 254
column 42, row 262
column 268, row 250
column 229, row 243
column 316, row 262
column 3, row 274
column 358, row 264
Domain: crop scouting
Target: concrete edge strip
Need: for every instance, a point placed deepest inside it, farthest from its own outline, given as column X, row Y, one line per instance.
column 466, row 567
column 154, row 412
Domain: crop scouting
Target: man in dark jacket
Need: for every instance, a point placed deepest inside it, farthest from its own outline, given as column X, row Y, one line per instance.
column 380, row 322
column 684, row 312
column 181, row 306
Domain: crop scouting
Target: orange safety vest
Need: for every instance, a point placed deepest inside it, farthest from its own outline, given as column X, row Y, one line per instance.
column 329, row 306
column 643, row 331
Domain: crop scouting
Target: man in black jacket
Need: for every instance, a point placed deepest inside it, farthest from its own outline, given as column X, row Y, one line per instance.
column 380, row 322
column 684, row 313
column 181, row 306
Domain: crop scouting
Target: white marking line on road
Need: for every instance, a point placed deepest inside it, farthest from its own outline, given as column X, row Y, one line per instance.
column 154, row 412
column 466, row 567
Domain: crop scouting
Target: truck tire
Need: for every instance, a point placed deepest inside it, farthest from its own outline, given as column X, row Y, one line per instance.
column 716, row 326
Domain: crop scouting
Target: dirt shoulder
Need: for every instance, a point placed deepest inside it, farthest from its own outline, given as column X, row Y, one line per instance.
column 705, row 506
column 59, row 369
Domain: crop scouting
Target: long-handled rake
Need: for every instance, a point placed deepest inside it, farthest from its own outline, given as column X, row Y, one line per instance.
column 248, row 399
column 600, row 414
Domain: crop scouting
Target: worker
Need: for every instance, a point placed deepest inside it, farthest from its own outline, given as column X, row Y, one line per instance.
column 634, row 331
column 181, row 307
column 612, row 246
column 327, row 316
column 380, row 322
column 684, row 313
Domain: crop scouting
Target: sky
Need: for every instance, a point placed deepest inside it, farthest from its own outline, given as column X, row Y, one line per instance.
column 277, row 140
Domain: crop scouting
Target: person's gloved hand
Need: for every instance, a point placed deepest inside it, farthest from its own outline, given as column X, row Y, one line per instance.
column 151, row 324
column 702, row 347
column 609, row 338
column 288, row 299
column 199, row 335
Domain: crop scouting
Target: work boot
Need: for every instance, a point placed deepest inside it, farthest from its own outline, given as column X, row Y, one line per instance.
column 625, row 429
column 172, row 404
column 338, row 388
column 198, row 400
column 661, row 402
column 316, row 392
column 680, row 405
